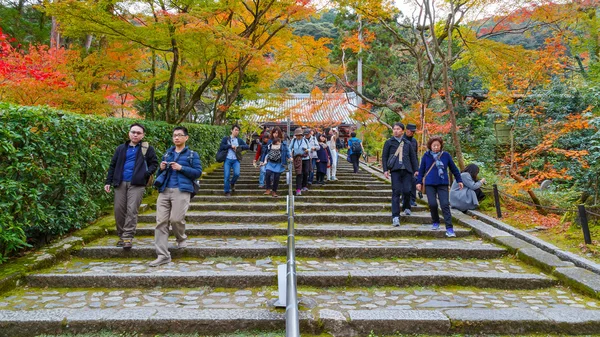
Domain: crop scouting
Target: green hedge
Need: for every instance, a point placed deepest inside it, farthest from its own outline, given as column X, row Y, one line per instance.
column 53, row 165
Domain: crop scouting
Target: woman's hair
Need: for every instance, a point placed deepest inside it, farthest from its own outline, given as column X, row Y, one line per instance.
column 435, row 139
column 278, row 130
column 322, row 135
column 473, row 170
column 353, row 134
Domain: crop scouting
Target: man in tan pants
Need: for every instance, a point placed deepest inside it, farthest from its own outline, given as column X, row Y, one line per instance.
column 178, row 170
column 132, row 164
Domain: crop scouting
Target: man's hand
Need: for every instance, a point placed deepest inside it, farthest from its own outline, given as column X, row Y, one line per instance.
column 163, row 165
column 386, row 174
column 175, row 166
column 107, row 188
column 460, row 186
column 419, row 187
column 416, row 174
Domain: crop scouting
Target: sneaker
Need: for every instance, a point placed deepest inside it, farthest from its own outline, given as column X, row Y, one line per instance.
column 267, row 192
column 182, row 244
column 227, row 194
column 407, row 212
column 420, row 194
column 127, row 244
column 304, row 189
column 396, row 221
column 275, row 195
column 450, row 233
column 435, row 226
column 261, row 186
column 413, row 204
column 232, row 187
column 120, row 243
column 298, row 192
column 159, row 261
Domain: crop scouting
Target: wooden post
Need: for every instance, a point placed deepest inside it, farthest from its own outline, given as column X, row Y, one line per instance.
column 497, row 201
column 584, row 224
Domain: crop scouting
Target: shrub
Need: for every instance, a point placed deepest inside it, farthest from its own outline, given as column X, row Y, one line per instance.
column 54, row 164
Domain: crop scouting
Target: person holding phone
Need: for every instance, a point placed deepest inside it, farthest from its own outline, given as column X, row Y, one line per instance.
column 130, row 168
column 177, row 171
column 235, row 146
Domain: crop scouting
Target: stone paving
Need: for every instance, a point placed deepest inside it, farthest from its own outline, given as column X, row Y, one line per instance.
column 89, row 266
column 339, row 299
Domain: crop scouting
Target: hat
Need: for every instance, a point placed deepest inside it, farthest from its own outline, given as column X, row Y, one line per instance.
column 411, row 127
column 307, row 131
column 298, row 132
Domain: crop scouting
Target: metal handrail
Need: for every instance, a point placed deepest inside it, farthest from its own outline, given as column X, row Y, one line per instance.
column 292, row 321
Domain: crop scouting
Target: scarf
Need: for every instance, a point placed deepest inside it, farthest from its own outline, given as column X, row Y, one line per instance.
column 438, row 162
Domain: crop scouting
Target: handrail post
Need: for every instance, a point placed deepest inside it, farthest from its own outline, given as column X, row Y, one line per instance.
column 292, row 320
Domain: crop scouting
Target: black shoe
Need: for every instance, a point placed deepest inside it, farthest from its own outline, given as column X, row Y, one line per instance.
column 232, row 187
column 420, row 195
column 413, row 204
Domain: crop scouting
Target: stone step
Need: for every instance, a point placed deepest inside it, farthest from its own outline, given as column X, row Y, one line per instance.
column 322, row 230
column 254, row 182
column 332, row 199
column 344, row 311
column 280, row 205
column 242, row 273
column 283, row 186
column 317, row 192
column 256, row 247
column 236, row 217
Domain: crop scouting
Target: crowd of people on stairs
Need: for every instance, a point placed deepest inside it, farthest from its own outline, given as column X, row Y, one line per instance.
column 314, row 158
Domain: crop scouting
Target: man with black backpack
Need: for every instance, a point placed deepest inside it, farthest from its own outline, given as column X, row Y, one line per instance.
column 355, row 149
column 399, row 160
column 131, row 167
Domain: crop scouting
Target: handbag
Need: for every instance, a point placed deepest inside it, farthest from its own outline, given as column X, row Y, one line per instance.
column 196, row 185
column 394, row 162
column 222, row 154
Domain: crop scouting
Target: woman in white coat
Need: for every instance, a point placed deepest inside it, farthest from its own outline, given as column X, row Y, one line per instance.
column 469, row 197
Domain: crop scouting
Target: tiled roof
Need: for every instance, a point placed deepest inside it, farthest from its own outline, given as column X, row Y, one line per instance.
column 330, row 108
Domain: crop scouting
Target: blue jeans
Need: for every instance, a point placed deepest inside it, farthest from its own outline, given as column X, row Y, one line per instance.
column 261, row 178
column 229, row 163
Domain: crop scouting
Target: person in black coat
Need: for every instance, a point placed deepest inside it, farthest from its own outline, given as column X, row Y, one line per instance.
column 130, row 168
column 401, row 171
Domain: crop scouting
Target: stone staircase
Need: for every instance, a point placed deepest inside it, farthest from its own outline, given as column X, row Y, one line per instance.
column 356, row 273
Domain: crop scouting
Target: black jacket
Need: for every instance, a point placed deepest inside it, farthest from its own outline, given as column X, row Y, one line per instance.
column 140, row 173
column 409, row 153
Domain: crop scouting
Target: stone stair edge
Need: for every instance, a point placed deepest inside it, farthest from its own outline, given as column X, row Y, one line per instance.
column 322, row 279
column 355, row 323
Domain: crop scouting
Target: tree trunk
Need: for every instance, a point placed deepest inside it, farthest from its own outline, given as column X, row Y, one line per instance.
column 170, row 111
column 534, row 198
column 54, row 34
column 153, row 87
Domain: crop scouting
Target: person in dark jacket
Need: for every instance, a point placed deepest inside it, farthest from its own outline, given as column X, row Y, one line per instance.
column 235, row 146
column 433, row 172
column 401, row 172
column 179, row 167
column 323, row 159
column 130, row 168
column 355, row 154
column 409, row 134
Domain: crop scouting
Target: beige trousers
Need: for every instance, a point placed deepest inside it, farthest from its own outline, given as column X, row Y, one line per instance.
column 127, row 203
column 171, row 206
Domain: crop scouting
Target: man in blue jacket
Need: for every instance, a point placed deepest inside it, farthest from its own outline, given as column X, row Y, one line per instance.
column 402, row 171
column 131, row 166
column 179, row 168
column 235, row 146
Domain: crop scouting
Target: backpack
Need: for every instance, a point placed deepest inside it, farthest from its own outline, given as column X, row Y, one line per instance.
column 274, row 155
column 145, row 146
column 356, row 148
column 339, row 144
column 195, row 183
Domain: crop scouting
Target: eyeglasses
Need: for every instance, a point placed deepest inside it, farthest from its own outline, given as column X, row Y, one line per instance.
column 136, row 132
column 178, row 135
